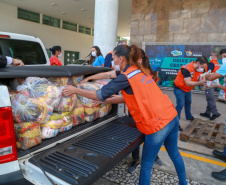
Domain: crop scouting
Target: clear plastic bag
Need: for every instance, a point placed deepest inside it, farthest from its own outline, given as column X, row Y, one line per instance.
column 67, row 104
column 61, row 81
column 221, row 95
column 48, row 132
column 34, row 87
column 25, row 109
column 86, row 102
column 77, row 79
column 91, row 114
column 29, row 134
column 78, row 114
column 55, row 122
column 103, row 110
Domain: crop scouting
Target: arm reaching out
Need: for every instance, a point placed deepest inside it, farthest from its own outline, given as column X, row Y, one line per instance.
column 115, row 99
column 105, row 75
column 190, row 83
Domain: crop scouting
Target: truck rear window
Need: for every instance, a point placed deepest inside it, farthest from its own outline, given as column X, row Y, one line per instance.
column 29, row 52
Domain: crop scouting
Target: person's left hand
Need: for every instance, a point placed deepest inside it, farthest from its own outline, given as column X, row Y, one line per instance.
column 68, row 90
column 17, row 62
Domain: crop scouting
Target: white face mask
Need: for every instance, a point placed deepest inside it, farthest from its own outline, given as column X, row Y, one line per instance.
column 116, row 67
column 93, row 53
column 200, row 69
column 223, row 61
column 60, row 55
column 210, row 57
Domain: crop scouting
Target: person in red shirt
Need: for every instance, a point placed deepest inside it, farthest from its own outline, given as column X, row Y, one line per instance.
column 56, row 52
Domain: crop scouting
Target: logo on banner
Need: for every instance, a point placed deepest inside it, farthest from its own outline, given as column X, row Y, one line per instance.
column 188, row 53
column 176, row 53
column 194, row 53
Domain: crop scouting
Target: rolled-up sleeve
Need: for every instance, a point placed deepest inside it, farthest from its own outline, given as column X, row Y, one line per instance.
column 114, row 86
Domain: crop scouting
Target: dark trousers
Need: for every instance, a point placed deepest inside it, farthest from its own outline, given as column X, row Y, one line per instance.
column 211, row 102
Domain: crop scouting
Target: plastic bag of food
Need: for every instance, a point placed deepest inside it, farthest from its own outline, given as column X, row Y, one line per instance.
column 91, row 113
column 67, row 121
column 52, row 96
column 16, row 82
column 109, row 108
column 67, row 104
column 77, row 79
column 46, row 114
column 55, row 122
column 48, row 132
column 212, row 84
column 103, row 81
column 221, row 95
column 61, row 81
column 29, row 134
column 86, row 102
column 78, row 114
column 25, row 109
column 103, row 110
column 34, row 87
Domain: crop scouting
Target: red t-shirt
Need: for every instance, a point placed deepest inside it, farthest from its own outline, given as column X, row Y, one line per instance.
column 55, row 61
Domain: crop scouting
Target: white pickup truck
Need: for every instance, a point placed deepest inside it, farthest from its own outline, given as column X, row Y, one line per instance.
column 78, row 156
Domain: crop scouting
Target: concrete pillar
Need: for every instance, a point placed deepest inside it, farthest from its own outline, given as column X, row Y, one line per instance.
column 105, row 25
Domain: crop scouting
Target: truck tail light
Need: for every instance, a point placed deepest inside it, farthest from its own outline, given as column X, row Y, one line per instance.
column 4, row 36
column 8, row 151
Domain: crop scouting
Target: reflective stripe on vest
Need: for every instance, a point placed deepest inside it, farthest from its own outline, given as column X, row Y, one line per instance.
column 150, row 108
column 179, row 81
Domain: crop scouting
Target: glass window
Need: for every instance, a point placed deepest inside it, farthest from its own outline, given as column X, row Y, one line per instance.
column 48, row 52
column 51, row 21
column 83, row 29
column 69, row 26
column 29, row 52
column 27, row 15
column 70, row 57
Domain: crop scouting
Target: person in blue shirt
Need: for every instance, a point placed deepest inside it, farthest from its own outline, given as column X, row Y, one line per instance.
column 220, row 73
column 96, row 57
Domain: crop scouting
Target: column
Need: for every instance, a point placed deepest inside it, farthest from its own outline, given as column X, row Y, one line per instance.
column 105, row 25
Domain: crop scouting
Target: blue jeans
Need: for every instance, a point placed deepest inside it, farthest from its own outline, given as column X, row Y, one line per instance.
column 152, row 145
column 183, row 100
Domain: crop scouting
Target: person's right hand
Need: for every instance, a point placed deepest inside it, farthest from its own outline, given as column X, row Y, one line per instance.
column 17, row 62
column 203, row 82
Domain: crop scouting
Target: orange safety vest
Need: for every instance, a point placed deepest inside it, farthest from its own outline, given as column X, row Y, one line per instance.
column 150, row 108
column 216, row 65
column 179, row 81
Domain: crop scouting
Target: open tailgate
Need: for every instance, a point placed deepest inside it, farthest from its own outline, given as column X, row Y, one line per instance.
column 85, row 158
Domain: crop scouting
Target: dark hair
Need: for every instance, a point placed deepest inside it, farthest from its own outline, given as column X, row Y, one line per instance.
column 132, row 54
column 91, row 60
column 202, row 60
column 222, row 51
column 146, row 64
column 54, row 49
column 121, row 42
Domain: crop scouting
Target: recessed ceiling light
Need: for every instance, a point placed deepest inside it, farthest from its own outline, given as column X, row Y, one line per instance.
column 82, row 9
column 53, row 4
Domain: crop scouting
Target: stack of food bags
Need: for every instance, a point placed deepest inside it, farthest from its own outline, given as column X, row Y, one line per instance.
column 67, row 121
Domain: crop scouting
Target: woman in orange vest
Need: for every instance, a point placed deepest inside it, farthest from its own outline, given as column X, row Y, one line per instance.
column 186, row 80
column 211, row 108
column 56, row 52
column 153, row 112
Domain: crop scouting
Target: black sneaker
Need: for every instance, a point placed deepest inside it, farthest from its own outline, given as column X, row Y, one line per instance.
column 215, row 116
column 220, row 175
column 133, row 166
column 191, row 119
column 205, row 115
column 219, row 155
column 180, row 129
